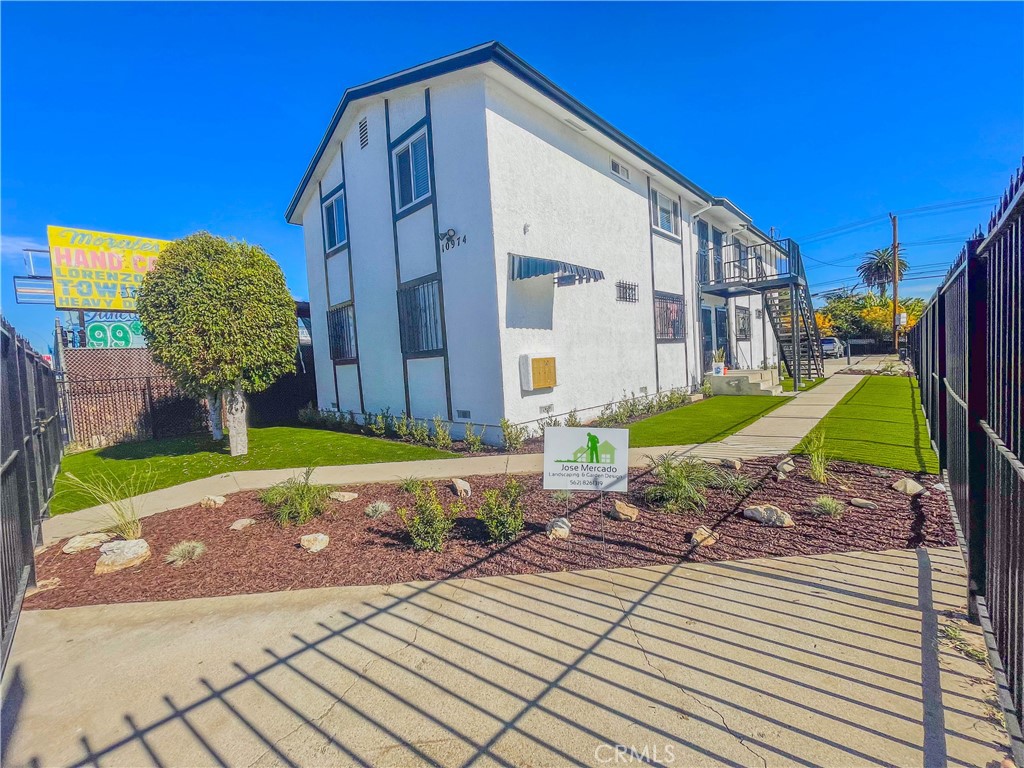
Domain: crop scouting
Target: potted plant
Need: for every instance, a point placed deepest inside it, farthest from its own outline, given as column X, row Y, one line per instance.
column 718, row 367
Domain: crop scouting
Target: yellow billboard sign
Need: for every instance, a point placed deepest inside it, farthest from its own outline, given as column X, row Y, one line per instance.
column 99, row 270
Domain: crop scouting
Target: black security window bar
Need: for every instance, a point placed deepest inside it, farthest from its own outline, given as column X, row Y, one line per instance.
column 718, row 241
column 666, row 212
column 419, row 316
column 628, row 292
column 668, row 317
column 742, row 324
column 412, row 175
column 334, row 219
column 341, row 332
column 703, row 251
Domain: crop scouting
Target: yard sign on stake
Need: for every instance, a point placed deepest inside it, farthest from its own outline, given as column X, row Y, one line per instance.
column 586, row 459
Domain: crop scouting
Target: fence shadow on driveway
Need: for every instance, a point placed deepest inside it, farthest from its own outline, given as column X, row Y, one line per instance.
column 828, row 660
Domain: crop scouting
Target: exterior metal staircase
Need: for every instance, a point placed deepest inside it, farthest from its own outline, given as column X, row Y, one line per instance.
column 774, row 270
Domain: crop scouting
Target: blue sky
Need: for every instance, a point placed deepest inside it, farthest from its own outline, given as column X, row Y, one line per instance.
column 158, row 119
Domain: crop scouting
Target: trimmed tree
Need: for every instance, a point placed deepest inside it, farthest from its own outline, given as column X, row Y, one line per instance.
column 217, row 314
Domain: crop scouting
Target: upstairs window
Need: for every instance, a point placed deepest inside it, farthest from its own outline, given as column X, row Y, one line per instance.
column 668, row 317
column 334, row 222
column 666, row 212
column 620, row 170
column 412, row 172
column 703, row 251
column 742, row 324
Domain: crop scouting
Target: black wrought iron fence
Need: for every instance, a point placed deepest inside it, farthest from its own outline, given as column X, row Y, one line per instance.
column 30, row 451
column 967, row 351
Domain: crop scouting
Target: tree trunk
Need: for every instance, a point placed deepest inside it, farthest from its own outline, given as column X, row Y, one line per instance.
column 238, row 435
column 213, row 404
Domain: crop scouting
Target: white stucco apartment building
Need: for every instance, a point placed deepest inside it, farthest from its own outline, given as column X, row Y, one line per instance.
column 473, row 233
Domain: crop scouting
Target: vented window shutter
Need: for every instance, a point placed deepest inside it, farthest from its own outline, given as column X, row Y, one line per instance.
column 419, row 164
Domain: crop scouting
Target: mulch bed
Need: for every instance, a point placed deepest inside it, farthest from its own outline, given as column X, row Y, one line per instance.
column 267, row 558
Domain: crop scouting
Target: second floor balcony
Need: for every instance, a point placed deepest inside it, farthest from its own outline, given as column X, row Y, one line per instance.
column 739, row 270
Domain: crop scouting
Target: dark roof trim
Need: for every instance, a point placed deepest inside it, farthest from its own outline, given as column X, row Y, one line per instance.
column 503, row 57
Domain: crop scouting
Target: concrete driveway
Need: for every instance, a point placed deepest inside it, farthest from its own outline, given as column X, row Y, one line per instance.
column 829, row 661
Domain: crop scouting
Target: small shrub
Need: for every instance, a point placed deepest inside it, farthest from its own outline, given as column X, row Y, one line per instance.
column 733, row 482
column 705, row 388
column 442, row 439
column 297, row 500
column 550, row 421
column 429, row 525
column 513, row 435
column 474, row 440
column 377, row 509
column 826, row 505
column 562, row 497
column 185, row 552
column 380, row 424
column 309, row 415
column 419, row 432
column 573, row 419
column 411, row 484
column 680, row 483
column 502, row 512
column 400, row 425
column 118, row 493
column 819, row 459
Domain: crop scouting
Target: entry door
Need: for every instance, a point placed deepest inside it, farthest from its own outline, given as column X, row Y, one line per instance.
column 722, row 333
column 706, row 335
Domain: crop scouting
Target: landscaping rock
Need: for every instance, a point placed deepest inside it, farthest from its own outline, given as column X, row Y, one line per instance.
column 212, row 502
column 85, row 541
column 118, row 555
column 731, row 463
column 314, row 542
column 784, row 467
column 559, row 528
column 863, row 504
column 344, row 496
column 242, row 523
column 908, row 486
column 461, row 488
column 769, row 514
column 714, row 461
column 624, row 511
column 43, row 586
column 703, row 537
column 939, row 487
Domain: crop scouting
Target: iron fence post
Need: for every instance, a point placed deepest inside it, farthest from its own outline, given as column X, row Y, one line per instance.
column 976, row 317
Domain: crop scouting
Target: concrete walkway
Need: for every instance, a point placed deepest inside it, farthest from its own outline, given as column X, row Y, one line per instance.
column 827, row 661
column 774, row 433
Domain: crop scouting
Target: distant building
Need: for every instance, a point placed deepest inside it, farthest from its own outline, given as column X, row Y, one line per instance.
column 480, row 245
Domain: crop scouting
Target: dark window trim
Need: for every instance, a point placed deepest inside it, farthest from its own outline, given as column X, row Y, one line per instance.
column 333, row 330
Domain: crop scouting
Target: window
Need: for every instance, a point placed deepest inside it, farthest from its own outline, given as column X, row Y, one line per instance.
column 620, row 170
column 717, row 242
column 742, row 324
column 627, row 292
column 703, row 251
column 668, row 317
column 334, row 222
column 744, row 261
column 419, row 318
column 341, row 332
column 364, row 134
column 666, row 212
column 412, row 174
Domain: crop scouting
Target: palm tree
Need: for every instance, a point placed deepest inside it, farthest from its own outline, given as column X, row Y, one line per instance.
column 876, row 269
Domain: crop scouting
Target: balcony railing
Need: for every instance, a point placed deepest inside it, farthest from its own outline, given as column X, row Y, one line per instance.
column 751, row 266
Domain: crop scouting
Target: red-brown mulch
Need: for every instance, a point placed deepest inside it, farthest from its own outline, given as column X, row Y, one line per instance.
column 267, row 558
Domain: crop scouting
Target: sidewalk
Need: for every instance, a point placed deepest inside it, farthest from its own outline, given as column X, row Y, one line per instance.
column 775, row 433
column 832, row 660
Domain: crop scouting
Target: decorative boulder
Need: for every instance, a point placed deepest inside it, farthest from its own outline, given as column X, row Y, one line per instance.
column 624, row 511
column 344, row 496
column 242, row 524
column 908, row 486
column 461, row 488
column 84, row 542
column 43, row 586
column 559, row 528
column 863, row 504
column 769, row 514
column 712, row 460
column 212, row 502
column 731, row 463
column 118, row 555
column 703, row 537
column 314, row 542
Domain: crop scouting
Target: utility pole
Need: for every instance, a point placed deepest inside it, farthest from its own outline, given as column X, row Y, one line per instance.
column 895, row 283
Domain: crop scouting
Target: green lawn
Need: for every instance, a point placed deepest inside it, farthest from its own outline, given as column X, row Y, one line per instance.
column 880, row 422
column 170, row 462
column 706, row 421
column 805, row 385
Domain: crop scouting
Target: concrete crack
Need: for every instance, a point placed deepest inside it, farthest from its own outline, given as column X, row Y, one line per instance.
column 661, row 672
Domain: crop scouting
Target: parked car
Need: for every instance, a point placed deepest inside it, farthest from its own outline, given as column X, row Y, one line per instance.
column 832, row 347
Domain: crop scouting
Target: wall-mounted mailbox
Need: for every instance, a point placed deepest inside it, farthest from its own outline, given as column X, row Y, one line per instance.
column 537, row 372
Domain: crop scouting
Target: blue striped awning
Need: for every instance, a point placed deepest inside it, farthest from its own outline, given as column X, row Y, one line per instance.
column 524, row 267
